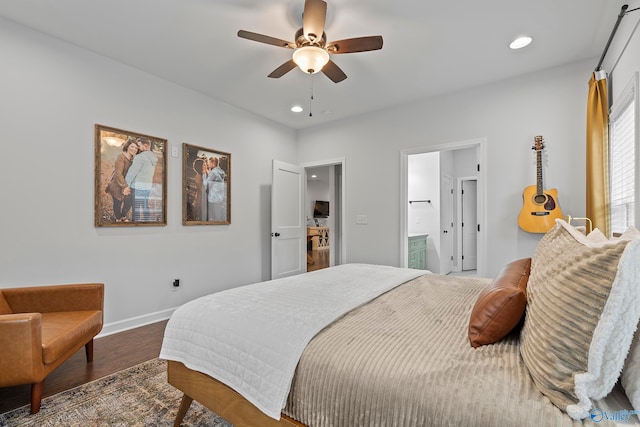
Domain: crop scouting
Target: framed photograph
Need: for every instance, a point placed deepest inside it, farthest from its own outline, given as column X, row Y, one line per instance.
column 130, row 178
column 206, row 186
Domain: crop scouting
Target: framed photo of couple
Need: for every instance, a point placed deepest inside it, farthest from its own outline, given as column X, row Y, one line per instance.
column 206, row 186
column 130, row 178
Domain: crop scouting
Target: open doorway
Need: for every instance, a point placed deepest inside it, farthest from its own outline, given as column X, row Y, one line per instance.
column 431, row 206
column 323, row 214
column 468, row 224
column 289, row 202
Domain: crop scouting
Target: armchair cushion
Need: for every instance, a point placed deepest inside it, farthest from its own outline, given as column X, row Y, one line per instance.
column 61, row 331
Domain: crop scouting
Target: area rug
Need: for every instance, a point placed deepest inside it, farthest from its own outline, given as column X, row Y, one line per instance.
column 138, row 396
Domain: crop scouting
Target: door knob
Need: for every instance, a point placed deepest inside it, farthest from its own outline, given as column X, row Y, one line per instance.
column 277, row 234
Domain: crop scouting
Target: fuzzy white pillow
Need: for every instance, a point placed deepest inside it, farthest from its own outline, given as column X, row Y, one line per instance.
column 612, row 338
column 630, row 377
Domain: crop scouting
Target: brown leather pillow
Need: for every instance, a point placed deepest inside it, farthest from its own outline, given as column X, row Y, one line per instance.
column 501, row 305
column 4, row 306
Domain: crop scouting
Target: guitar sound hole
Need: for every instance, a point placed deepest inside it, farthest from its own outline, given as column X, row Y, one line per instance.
column 539, row 198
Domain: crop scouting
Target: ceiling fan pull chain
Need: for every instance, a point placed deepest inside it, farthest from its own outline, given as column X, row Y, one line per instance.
column 311, row 97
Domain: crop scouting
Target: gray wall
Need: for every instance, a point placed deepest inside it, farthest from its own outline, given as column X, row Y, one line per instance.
column 507, row 114
column 623, row 57
column 52, row 94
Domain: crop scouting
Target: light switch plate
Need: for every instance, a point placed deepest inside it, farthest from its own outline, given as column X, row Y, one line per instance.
column 362, row 219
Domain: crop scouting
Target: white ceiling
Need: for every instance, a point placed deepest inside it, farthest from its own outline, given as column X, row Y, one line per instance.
column 429, row 47
column 318, row 174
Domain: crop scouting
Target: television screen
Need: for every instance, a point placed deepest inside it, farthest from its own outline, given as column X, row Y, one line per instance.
column 321, row 209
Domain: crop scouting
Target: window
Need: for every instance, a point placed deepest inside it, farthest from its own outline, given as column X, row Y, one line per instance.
column 622, row 157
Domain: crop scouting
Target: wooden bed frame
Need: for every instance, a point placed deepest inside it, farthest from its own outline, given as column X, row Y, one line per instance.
column 219, row 398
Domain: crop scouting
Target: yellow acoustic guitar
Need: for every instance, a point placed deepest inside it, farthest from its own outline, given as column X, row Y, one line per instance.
column 540, row 207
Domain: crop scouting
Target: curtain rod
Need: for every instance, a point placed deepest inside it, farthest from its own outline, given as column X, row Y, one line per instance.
column 623, row 12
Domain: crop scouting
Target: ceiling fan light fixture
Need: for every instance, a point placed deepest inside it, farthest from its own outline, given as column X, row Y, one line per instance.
column 310, row 59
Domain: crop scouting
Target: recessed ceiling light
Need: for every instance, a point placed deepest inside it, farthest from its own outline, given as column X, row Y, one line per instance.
column 296, row 109
column 521, row 42
column 314, row 176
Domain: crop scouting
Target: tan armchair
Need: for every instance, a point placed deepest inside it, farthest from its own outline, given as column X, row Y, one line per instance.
column 41, row 327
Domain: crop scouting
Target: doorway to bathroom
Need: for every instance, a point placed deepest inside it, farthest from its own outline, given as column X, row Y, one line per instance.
column 437, row 215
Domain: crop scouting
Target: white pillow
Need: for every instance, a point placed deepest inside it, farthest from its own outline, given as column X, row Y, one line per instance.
column 631, row 233
column 612, row 338
column 630, row 377
column 597, row 236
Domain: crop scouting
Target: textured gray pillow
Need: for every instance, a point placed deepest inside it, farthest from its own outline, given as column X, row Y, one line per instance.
column 580, row 317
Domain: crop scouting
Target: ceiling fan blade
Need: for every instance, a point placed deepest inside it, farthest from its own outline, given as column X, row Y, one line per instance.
column 358, row 44
column 313, row 18
column 334, row 72
column 265, row 39
column 283, row 69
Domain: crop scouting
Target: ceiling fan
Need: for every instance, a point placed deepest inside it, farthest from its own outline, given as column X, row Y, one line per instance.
column 311, row 49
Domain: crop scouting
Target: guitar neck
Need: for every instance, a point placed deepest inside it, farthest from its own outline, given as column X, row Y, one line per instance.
column 539, row 189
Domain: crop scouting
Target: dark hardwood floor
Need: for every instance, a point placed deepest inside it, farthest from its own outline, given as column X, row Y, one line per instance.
column 112, row 353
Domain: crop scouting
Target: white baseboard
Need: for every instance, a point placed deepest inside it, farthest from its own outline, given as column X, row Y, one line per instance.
column 135, row 322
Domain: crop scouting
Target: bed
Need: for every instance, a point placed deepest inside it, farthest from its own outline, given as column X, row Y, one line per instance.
column 409, row 353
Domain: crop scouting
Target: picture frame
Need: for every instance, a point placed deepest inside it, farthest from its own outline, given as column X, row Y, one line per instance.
column 206, row 186
column 130, row 183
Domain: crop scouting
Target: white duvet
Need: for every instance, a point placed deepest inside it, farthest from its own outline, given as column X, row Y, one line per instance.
column 251, row 338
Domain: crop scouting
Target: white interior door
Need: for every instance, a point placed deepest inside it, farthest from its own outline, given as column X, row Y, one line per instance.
column 288, row 227
column 469, row 225
column 446, row 224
